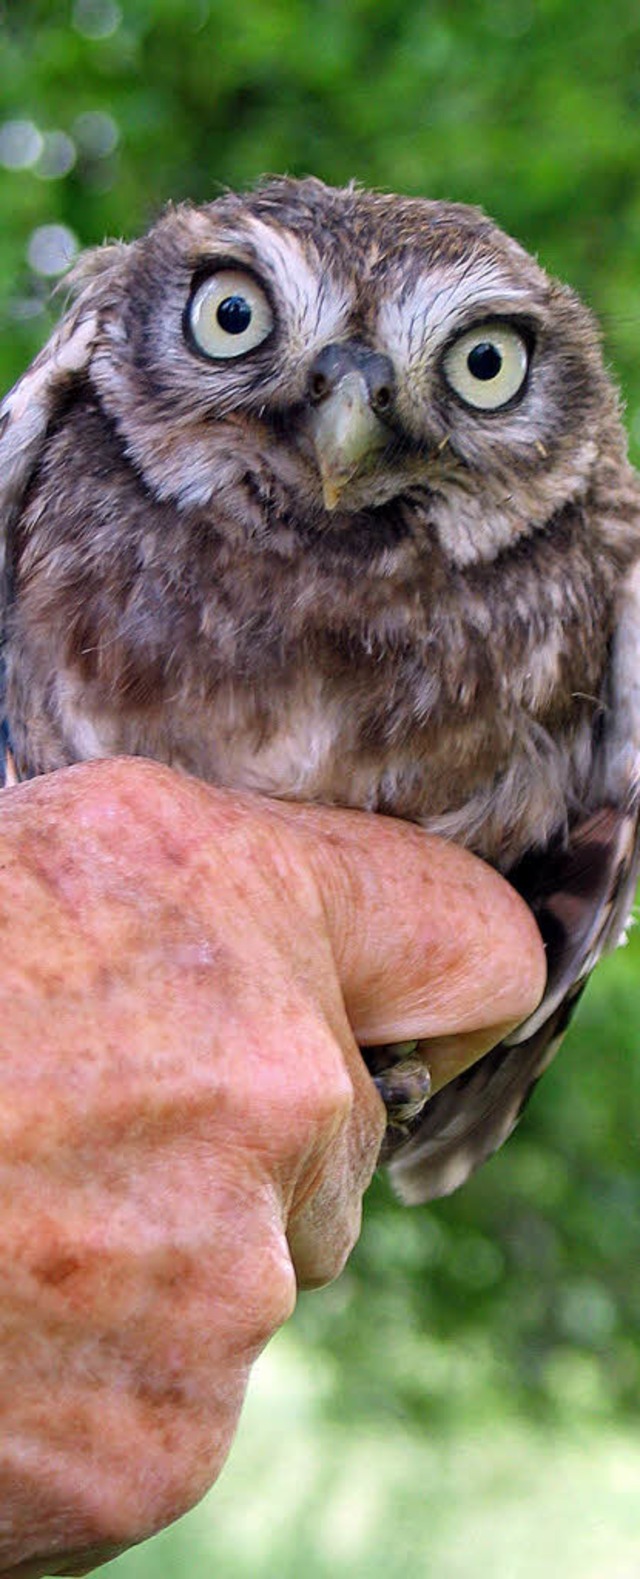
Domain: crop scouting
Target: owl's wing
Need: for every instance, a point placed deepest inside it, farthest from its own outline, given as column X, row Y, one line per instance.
column 26, row 415
column 581, row 892
column 27, row 412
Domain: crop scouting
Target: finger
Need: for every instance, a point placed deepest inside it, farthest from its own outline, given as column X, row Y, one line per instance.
column 429, row 941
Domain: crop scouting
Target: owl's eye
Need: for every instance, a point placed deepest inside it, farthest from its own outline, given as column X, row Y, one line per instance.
column 229, row 314
column 488, row 365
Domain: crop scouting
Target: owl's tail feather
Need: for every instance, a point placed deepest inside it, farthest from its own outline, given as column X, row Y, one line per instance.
column 581, row 894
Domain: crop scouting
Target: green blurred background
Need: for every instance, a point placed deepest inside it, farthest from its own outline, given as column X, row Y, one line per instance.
column 466, row 1399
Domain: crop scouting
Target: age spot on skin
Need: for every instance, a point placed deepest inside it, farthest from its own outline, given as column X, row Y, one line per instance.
column 57, row 1269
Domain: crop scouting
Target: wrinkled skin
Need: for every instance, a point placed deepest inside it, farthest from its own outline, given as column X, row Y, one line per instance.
column 187, row 1124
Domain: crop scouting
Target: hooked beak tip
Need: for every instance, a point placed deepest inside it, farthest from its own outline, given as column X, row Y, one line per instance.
column 347, row 435
column 331, row 491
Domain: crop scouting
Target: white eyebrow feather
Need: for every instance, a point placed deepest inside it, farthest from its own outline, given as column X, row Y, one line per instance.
column 316, row 304
column 422, row 319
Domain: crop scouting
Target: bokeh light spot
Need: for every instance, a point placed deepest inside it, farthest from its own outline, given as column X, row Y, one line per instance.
column 51, row 249
column 96, row 18
column 57, row 158
column 96, row 133
column 21, row 144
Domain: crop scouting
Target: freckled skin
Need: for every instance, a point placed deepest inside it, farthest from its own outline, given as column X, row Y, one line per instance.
column 193, row 1128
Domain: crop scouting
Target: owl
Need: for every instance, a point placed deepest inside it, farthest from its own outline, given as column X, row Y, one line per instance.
column 324, row 494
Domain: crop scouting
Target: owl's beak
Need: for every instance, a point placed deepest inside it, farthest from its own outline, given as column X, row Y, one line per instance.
column 346, row 435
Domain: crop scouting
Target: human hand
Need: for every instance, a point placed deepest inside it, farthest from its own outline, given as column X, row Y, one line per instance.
column 186, row 1122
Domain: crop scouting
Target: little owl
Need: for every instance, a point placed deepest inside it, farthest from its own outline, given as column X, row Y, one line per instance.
column 324, row 494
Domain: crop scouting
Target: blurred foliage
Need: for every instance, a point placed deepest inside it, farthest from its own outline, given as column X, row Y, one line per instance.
column 498, row 1497
column 523, row 1291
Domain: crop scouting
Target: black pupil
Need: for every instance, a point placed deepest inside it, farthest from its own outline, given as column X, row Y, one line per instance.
column 234, row 315
column 484, row 361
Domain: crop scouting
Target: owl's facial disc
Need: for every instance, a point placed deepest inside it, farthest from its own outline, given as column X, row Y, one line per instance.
column 349, row 386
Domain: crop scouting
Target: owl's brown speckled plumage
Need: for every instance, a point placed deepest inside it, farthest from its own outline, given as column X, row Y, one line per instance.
column 434, row 616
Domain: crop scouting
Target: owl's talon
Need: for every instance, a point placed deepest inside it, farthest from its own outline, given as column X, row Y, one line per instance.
column 405, row 1087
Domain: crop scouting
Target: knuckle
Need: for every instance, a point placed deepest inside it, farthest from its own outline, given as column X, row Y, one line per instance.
column 303, row 1084
column 325, row 1098
column 274, row 1298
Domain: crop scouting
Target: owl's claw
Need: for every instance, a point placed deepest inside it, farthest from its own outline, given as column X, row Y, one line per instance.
column 402, row 1079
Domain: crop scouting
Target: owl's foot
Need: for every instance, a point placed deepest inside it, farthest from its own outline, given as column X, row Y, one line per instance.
column 403, row 1080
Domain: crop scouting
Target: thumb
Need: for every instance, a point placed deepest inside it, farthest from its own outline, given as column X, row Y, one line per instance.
column 429, row 941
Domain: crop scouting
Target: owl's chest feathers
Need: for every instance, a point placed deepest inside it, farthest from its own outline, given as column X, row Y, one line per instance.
column 429, row 746
column 403, row 686
column 362, row 668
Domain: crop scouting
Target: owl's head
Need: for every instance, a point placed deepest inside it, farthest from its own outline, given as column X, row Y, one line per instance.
column 346, row 350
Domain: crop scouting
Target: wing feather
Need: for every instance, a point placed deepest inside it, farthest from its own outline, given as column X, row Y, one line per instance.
column 27, row 412
column 25, row 417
